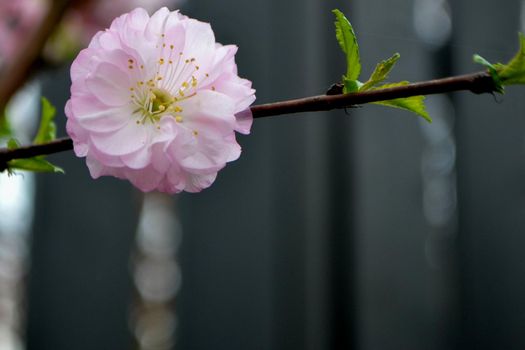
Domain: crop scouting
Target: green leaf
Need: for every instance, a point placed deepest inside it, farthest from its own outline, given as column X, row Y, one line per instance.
column 36, row 164
column 5, row 128
column 13, row 143
column 348, row 42
column 381, row 72
column 415, row 104
column 47, row 129
column 514, row 71
column 350, row 85
column 493, row 73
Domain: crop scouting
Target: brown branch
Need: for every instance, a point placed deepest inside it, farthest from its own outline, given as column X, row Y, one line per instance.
column 477, row 83
column 17, row 72
column 58, row 145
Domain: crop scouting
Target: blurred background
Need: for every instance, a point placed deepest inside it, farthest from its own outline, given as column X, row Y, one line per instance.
column 369, row 229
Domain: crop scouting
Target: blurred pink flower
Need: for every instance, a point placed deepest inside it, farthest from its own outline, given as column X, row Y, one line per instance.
column 17, row 19
column 105, row 11
column 95, row 15
column 85, row 18
column 157, row 101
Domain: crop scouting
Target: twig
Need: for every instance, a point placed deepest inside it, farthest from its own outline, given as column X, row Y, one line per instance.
column 58, row 145
column 477, row 83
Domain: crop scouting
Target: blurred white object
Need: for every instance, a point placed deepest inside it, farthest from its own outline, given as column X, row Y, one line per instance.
column 157, row 274
column 16, row 218
column 432, row 22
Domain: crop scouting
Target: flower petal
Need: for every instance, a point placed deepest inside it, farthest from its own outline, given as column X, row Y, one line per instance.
column 94, row 116
column 128, row 139
column 196, row 183
column 109, row 85
column 209, row 109
column 155, row 26
column 244, row 121
column 199, row 43
column 146, row 179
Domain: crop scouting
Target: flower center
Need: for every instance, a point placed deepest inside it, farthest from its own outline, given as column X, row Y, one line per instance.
column 153, row 103
column 176, row 78
column 161, row 100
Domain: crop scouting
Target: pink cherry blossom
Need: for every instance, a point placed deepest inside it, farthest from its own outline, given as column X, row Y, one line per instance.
column 157, row 101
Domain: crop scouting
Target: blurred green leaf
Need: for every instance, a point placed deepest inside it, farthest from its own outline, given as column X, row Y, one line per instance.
column 47, row 129
column 514, row 71
column 5, row 128
column 381, row 72
column 347, row 40
column 13, row 143
column 36, row 164
column 415, row 104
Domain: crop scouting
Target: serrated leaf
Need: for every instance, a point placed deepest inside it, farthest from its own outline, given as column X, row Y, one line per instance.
column 514, row 71
column 415, row 104
column 35, row 164
column 493, row 72
column 381, row 72
column 47, row 129
column 347, row 40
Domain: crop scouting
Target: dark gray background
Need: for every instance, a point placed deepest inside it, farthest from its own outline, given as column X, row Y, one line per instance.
column 318, row 237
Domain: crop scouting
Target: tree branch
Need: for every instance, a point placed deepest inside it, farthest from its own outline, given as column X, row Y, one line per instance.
column 477, row 83
column 20, row 68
